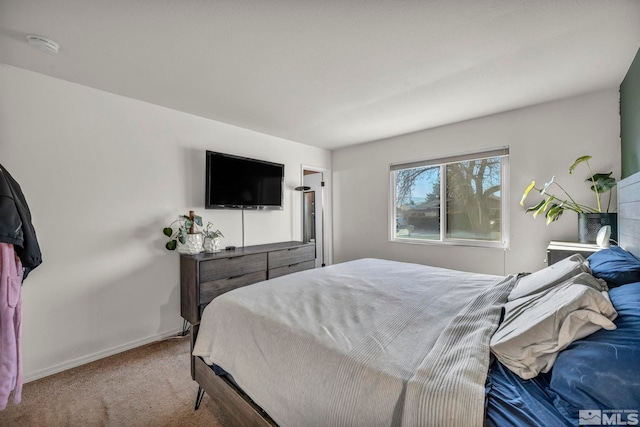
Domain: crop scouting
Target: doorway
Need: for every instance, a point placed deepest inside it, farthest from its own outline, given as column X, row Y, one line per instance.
column 315, row 221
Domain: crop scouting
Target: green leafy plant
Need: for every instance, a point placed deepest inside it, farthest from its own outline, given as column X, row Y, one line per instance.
column 207, row 232
column 187, row 224
column 553, row 206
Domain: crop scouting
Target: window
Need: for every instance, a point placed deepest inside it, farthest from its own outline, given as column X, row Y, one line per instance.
column 458, row 200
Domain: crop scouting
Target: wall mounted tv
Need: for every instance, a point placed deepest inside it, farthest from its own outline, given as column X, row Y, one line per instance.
column 234, row 182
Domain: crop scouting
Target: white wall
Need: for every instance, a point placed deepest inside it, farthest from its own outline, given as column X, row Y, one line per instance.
column 544, row 140
column 102, row 175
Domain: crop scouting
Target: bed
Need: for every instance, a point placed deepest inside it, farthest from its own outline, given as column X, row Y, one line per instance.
column 376, row 342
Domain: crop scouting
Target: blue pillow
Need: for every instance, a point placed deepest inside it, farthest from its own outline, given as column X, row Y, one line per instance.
column 615, row 265
column 602, row 371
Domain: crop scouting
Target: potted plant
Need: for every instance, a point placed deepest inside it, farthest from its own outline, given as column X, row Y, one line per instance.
column 590, row 218
column 186, row 238
column 211, row 239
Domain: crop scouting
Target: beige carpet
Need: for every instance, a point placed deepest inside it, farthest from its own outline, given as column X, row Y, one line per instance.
column 147, row 386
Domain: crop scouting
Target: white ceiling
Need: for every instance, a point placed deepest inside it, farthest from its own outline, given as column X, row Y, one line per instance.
column 330, row 73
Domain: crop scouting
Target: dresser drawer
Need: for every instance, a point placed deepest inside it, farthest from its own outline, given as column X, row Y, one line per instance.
column 210, row 290
column 290, row 256
column 203, row 276
column 288, row 269
column 224, row 268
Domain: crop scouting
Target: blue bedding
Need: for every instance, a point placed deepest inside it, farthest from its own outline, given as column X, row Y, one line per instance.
column 597, row 376
column 512, row 401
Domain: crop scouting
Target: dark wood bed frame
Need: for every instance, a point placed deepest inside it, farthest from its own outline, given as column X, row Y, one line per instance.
column 236, row 404
column 244, row 412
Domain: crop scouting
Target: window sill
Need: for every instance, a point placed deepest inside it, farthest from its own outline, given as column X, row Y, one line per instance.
column 454, row 242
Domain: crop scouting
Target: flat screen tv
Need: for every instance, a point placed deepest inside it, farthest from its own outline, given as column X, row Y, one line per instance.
column 234, row 182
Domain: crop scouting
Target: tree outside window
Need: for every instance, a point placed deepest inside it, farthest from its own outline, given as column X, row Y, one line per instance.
column 472, row 190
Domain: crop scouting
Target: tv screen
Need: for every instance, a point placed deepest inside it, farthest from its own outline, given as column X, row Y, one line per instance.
column 234, row 182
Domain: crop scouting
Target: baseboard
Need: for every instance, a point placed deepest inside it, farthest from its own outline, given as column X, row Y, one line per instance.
column 97, row 356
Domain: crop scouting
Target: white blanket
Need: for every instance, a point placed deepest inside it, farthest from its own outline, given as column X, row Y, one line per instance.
column 363, row 343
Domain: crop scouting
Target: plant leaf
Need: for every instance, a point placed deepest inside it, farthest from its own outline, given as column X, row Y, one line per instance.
column 198, row 220
column 543, row 208
column 182, row 238
column 603, row 185
column 554, row 213
column 171, row 245
column 188, row 223
column 577, row 162
column 526, row 192
column 599, row 176
column 603, row 182
column 536, row 207
column 168, row 231
column 547, row 185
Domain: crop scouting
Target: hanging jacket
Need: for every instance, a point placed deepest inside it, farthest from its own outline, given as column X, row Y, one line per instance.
column 15, row 223
column 10, row 325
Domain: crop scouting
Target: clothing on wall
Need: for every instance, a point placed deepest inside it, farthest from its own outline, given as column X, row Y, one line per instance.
column 11, row 275
column 15, row 223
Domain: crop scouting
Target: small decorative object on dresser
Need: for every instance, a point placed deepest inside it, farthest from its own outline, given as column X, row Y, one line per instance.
column 590, row 219
column 186, row 238
column 211, row 239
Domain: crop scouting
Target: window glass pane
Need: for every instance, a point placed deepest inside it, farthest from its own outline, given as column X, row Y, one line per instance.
column 418, row 203
column 474, row 199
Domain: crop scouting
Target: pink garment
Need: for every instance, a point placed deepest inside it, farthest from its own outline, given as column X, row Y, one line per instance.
column 10, row 325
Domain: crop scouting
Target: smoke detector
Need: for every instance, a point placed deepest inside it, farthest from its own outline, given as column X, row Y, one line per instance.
column 43, row 44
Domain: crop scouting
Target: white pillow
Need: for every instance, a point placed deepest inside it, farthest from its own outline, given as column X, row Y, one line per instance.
column 536, row 327
column 550, row 276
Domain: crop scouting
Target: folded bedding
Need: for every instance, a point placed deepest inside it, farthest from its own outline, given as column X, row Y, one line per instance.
column 549, row 277
column 548, row 318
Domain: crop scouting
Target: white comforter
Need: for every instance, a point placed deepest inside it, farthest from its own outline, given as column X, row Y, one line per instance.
column 363, row 343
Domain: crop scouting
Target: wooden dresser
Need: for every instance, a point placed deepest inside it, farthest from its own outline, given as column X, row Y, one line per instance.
column 205, row 276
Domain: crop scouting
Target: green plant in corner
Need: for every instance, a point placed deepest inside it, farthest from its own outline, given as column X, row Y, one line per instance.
column 187, row 225
column 553, row 206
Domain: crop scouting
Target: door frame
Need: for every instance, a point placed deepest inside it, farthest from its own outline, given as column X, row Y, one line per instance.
column 327, row 223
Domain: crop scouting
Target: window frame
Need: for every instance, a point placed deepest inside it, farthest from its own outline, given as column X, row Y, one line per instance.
column 442, row 162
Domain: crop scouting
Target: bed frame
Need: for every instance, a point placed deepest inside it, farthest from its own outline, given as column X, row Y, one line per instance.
column 244, row 412
column 237, row 405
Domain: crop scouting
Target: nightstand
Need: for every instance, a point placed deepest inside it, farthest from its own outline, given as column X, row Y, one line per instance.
column 557, row 251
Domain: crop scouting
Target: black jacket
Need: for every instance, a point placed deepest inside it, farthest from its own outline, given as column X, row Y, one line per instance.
column 15, row 223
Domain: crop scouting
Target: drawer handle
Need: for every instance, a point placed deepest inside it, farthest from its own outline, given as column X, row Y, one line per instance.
column 233, row 277
column 293, row 249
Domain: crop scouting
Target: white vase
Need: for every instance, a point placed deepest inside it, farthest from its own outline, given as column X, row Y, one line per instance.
column 192, row 246
column 211, row 244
